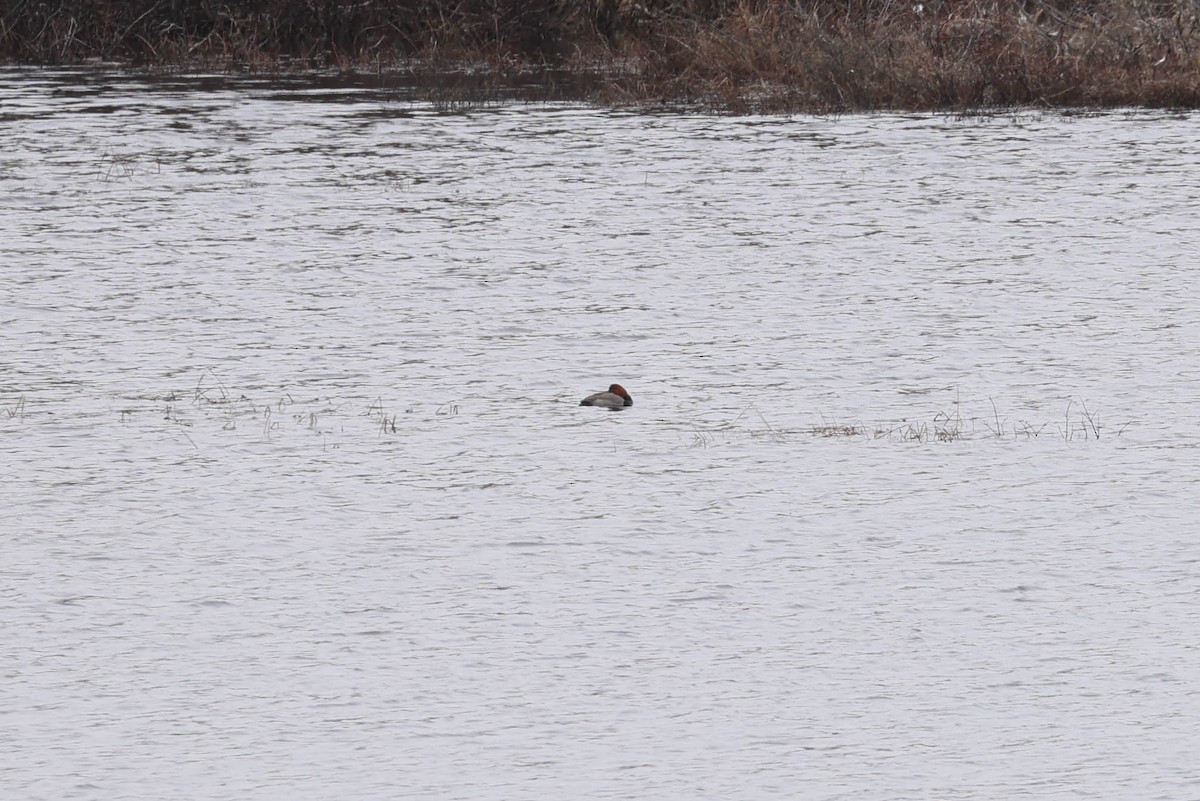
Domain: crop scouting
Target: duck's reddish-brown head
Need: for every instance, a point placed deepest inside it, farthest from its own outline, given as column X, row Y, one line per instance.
column 617, row 389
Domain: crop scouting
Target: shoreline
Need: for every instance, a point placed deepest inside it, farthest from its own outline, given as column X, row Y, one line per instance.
column 717, row 56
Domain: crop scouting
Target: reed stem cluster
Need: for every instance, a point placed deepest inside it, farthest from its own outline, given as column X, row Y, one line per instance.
column 725, row 55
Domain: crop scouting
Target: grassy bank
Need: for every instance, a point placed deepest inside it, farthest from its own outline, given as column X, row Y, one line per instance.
column 733, row 55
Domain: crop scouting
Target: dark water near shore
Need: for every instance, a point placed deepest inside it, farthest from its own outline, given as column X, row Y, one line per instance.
column 298, row 499
column 443, row 90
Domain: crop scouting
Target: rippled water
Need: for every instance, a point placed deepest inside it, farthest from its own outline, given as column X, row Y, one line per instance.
column 298, row 502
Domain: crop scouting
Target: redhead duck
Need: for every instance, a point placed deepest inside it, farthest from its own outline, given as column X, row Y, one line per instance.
column 615, row 398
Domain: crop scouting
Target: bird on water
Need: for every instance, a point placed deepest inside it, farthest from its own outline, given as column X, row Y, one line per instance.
column 616, row 398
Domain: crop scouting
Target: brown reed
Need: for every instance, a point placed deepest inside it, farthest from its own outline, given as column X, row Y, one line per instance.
column 718, row 55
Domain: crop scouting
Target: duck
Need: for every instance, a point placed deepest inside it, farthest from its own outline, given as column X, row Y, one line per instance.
column 616, row 398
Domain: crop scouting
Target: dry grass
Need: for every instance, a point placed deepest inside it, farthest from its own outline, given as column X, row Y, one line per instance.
column 281, row 35
column 872, row 54
column 1078, row 423
column 721, row 55
column 16, row 410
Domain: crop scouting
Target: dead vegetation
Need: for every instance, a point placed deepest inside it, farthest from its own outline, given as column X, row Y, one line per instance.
column 719, row 55
column 1079, row 422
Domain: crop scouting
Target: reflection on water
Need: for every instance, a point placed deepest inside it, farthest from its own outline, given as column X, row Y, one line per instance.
column 298, row 493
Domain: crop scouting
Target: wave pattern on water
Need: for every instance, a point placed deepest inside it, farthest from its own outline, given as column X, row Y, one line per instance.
column 298, row 495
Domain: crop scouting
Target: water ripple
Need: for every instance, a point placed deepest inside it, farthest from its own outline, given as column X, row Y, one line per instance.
column 297, row 491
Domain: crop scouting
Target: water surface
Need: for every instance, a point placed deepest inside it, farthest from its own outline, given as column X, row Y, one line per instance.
column 299, row 502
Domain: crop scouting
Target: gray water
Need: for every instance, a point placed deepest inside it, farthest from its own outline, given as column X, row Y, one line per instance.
column 298, row 501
